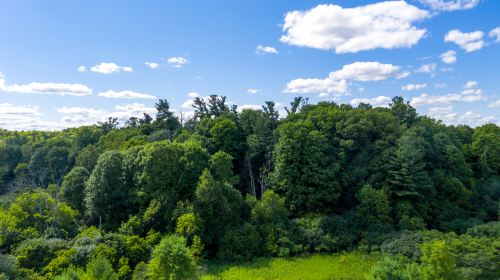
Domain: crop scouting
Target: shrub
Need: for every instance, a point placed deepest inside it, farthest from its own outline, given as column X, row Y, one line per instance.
column 171, row 259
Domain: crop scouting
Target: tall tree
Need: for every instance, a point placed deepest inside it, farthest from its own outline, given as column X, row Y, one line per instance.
column 407, row 182
column 106, row 191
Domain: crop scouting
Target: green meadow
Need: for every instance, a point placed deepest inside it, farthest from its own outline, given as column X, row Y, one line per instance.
column 338, row 266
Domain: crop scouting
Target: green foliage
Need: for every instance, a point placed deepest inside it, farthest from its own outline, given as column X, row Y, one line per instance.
column 37, row 253
column 87, row 158
column 438, row 262
column 100, row 268
column 394, row 268
column 306, row 168
column 407, row 183
column 374, row 213
column 171, row 259
column 241, row 243
column 106, row 191
column 327, row 178
column 219, row 206
column 33, row 215
column 221, row 167
column 73, row 186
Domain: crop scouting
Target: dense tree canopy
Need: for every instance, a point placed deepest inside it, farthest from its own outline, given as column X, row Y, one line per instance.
column 157, row 197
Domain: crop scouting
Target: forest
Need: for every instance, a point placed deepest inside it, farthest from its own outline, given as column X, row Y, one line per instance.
column 161, row 197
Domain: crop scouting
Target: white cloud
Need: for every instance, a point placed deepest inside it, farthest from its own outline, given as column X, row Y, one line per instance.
column 265, row 50
column 81, row 68
column 177, row 62
column 249, row 106
column 46, row 88
column 317, row 86
column 385, row 25
column 152, row 65
column 193, row 94
column 125, row 94
column 494, row 104
column 188, row 104
column 470, row 84
column 495, row 33
column 437, row 100
column 124, row 112
column 410, row 87
column 367, row 71
column 110, row 67
column 253, row 90
column 449, row 57
column 336, row 82
column 379, row 101
column 450, row 117
column 77, row 116
column 427, row 68
column 470, row 42
column 450, row 5
column 25, row 117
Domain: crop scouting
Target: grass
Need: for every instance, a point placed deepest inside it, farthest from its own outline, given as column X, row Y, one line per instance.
column 353, row 265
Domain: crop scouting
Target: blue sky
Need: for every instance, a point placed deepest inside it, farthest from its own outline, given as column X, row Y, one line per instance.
column 68, row 63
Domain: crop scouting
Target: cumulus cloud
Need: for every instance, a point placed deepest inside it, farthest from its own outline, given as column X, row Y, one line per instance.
column 450, row 117
column 326, row 85
column 468, row 95
column 152, row 65
column 450, row 5
column 470, row 84
column 45, row 88
column 265, row 50
column 494, row 104
column 427, row 68
column 449, row 57
column 411, row 87
column 470, row 42
column 386, row 25
column 81, row 68
column 109, row 68
column 177, row 61
column 368, row 71
column 337, row 81
column 495, row 34
column 125, row 94
column 379, row 101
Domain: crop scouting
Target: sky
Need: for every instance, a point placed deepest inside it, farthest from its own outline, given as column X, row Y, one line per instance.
column 71, row 63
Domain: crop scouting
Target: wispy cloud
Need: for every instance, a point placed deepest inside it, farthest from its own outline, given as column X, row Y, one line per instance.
column 177, row 61
column 45, row 88
column 125, row 94
column 107, row 68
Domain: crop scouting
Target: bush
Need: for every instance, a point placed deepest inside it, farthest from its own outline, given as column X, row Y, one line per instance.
column 240, row 244
column 37, row 253
column 394, row 268
column 405, row 243
column 7, row 266
column 171, row 259
column 100, row 269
